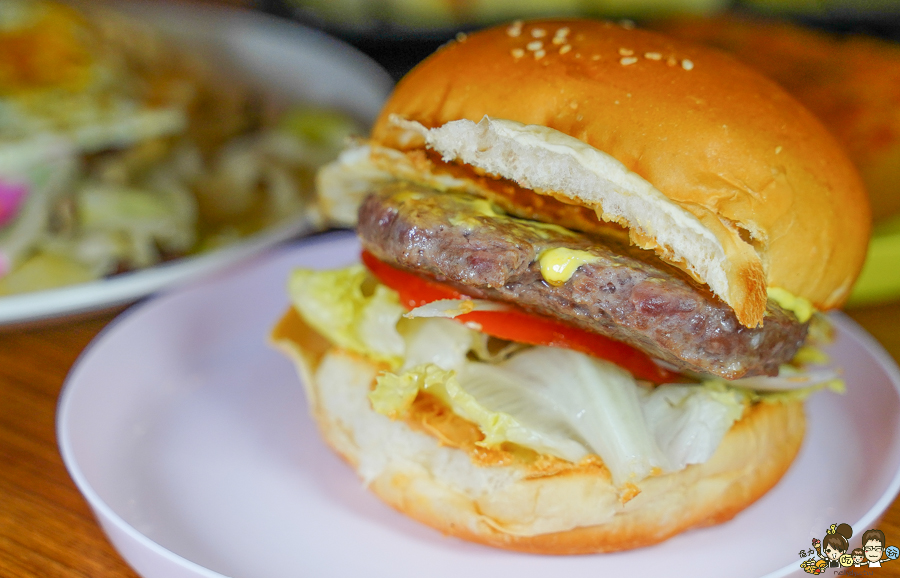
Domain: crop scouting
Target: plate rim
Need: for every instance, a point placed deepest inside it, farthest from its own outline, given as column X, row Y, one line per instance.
column 890, row 367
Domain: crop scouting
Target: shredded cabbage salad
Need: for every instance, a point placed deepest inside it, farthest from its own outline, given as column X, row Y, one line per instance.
column 119, row 150
column 555, row 401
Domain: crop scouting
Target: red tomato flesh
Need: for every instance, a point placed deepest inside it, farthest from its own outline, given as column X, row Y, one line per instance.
column 517, row 325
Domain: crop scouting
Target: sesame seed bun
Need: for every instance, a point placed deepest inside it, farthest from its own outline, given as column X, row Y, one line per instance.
column 541, row 505
column 701, row 159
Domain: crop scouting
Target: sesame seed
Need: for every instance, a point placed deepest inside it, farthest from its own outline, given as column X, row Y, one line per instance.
column 460, row 36
column 573, row 105
column 559, row 40
column 687, row 64
column 595, row 57
column 778, row 150
column 564, row 31
column 579, row 118
column 534, row 45
column 626, row 60
column 565, row 48
column 515, row 29
column 653, row 56
column 625, row 52
column 517, row 52
column 538, row 33
column 671, row 61
column 538, row 54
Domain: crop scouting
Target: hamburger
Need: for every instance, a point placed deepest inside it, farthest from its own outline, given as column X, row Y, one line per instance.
column 587, row 313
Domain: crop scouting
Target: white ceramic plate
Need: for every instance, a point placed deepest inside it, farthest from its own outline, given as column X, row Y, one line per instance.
column 280, row 57
column 190, row 438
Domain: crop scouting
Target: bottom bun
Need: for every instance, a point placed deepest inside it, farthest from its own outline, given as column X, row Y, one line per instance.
column 513, row 506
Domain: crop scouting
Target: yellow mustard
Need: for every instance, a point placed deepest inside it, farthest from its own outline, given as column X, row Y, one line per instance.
column 559, row 264
column 799, row 306
column 479, row 208
column 410, row 195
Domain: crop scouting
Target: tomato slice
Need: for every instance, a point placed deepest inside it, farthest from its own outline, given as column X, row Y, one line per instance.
column 517, row 325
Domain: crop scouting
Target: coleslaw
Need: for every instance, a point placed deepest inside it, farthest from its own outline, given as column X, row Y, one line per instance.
column 120, row 150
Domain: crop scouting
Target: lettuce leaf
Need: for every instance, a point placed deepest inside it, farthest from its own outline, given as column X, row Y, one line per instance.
column 570, row 405
column 599, row 401
column 490, row 388
column 442, row 342
column 689, row 421
column 349, row 310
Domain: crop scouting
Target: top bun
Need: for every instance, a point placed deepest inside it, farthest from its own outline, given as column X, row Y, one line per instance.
column 704, row 161
column 851, row 82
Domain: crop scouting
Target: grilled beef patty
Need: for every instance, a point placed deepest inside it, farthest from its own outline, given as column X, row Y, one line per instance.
column 624, row 294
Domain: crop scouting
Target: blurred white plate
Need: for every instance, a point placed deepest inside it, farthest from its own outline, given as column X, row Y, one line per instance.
column 278, row 56
column 190, row 438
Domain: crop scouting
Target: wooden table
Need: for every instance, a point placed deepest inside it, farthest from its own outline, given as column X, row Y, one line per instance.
column 47, row 529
